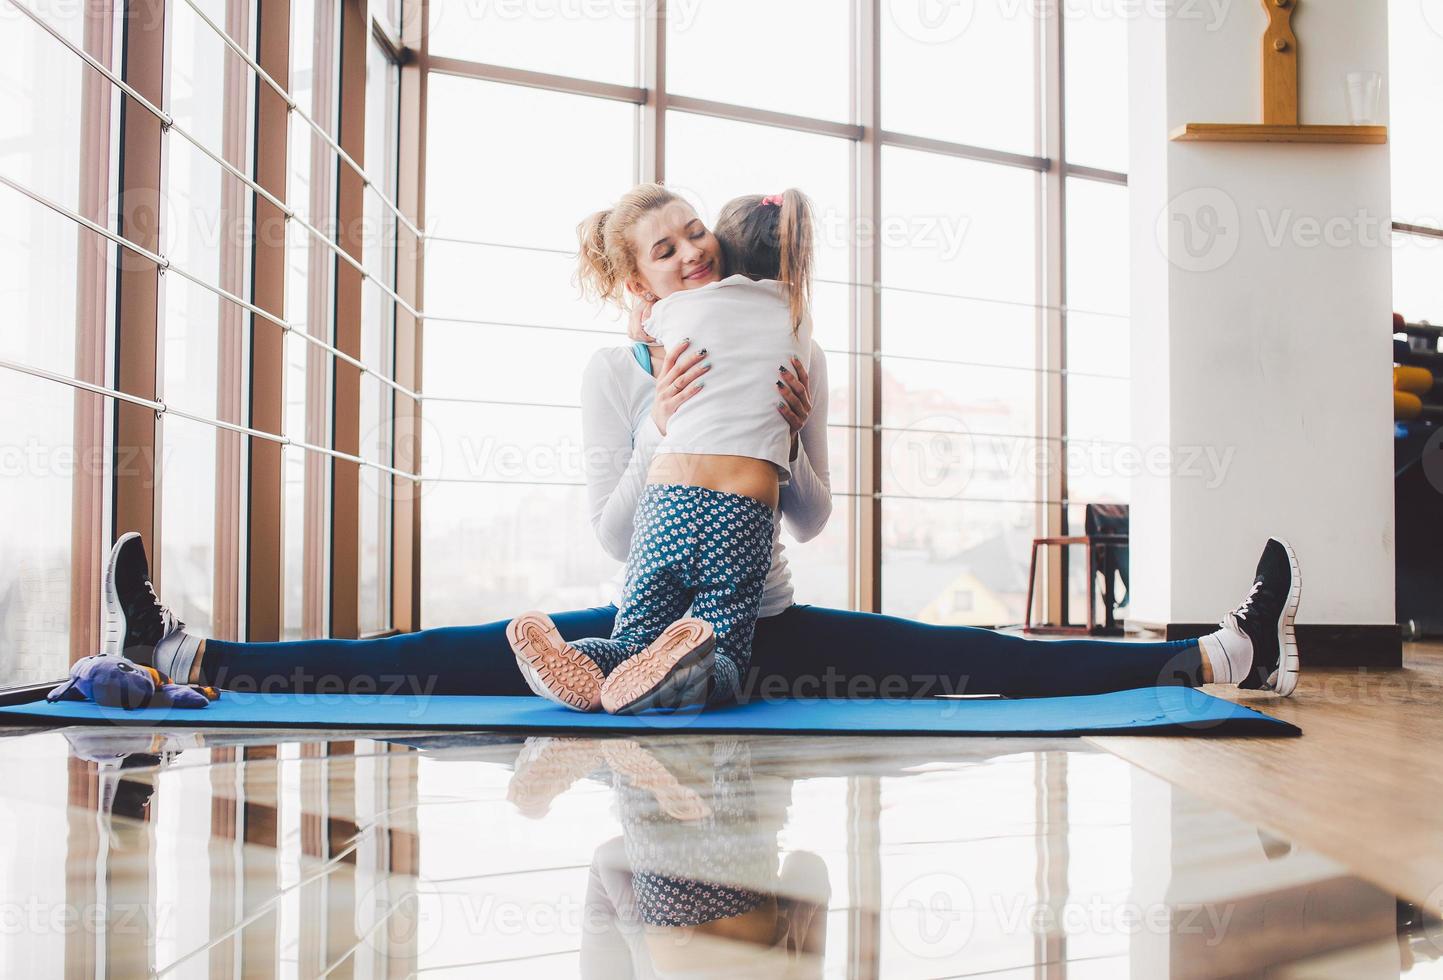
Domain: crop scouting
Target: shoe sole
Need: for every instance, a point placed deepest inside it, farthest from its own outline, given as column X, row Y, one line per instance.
column 646, row 772
column 554, row 668
column 113, row 632
column 1284, row 680
column 630, row 686
column 548, row 767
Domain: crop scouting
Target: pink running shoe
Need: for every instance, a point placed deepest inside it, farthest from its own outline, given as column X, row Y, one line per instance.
column 552, row 667
column 670, row 673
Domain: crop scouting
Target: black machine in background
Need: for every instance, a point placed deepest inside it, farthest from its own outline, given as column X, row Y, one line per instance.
column 1418, row 487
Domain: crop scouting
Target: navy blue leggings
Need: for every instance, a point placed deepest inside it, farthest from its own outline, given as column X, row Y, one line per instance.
column 802, row 652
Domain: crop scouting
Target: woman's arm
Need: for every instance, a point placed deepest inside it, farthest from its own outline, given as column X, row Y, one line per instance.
column 616, row 459
column 616, row 463
column 806, row 501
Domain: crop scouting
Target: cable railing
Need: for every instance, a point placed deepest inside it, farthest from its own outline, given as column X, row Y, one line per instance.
column 160, row 408
column 295, row 108
column 165, row 266
column 169, row 125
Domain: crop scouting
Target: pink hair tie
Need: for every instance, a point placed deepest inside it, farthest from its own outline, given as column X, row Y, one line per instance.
column 773, row 199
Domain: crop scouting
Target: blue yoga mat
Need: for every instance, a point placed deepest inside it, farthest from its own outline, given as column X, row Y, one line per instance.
column 1146, row 711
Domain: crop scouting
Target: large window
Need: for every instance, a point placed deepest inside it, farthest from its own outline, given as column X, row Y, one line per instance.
column 942, row 266
column 1414, row 89
column 56, row 280
column 202, row 269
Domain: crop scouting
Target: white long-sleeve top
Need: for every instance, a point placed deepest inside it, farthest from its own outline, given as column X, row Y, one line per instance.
column 748, row 324
column 620, row 439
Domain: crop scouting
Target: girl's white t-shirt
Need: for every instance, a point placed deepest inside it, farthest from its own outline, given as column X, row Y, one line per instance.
column 745, row 325
column 620, row 439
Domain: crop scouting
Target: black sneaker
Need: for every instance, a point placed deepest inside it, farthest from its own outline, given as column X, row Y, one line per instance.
column 1266, row 617
column 135, row 622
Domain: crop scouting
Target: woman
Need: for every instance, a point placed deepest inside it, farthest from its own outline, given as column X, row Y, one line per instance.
column 797, row 650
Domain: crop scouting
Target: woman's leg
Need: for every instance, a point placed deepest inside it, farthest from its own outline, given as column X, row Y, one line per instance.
column 809, row 651
column 448, row 660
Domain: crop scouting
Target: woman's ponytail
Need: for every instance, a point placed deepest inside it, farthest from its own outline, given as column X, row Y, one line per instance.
column 594, row 271
column 605, row 259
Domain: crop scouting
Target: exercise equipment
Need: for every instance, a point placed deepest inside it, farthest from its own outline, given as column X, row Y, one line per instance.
column 1418, row 475
column 1144, row 711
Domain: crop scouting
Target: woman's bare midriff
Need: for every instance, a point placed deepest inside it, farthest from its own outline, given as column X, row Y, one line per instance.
column 755, row 478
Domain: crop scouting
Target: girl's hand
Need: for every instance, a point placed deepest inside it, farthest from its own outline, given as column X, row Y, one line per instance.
column 795, row 403
column 634, row 329
column 677, row 381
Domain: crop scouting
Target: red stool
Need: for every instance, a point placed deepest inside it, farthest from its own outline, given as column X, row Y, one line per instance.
column 1094, row 543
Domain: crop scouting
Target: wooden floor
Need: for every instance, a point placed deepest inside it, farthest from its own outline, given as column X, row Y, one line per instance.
column 1364, row 785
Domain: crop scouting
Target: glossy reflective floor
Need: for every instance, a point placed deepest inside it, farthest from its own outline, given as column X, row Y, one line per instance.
column 253, row 854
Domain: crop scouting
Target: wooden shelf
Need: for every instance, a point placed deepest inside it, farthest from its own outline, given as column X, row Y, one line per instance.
column 1259, row 133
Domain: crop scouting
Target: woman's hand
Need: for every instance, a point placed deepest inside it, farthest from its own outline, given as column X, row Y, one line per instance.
column 677, row 381
column 796, row 403
column 634, row 329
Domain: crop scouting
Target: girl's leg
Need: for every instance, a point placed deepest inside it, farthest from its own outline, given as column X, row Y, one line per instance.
column 809, row 651
column 656, row 592
column 448, row 660
column 737, row 543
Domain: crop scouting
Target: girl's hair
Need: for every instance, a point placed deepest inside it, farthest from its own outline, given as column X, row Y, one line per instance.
column 771, row 238
column 606, row 260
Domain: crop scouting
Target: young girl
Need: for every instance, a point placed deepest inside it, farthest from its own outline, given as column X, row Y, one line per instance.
column 703, row 531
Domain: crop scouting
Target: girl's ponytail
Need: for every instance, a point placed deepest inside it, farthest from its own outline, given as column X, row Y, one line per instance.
column 771, row 237
column 794, row 247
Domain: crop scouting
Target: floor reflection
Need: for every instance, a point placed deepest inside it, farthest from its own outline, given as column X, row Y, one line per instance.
column 251, row 853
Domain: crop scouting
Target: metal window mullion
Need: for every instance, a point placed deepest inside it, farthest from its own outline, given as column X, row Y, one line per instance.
column 651, row 163
column 865, row 526
column 295, row 109
column 565, row 84
column 1051, row 389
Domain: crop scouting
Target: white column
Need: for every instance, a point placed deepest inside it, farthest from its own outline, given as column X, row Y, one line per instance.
column 1261, row 300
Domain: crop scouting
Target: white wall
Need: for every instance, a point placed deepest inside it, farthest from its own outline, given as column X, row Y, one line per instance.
column 1261, row 297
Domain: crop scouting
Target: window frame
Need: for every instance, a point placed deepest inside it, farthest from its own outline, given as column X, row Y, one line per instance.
column 863, row 506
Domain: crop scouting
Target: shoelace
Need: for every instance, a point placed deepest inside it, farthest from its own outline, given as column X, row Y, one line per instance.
column 1244, row 607
column 156, row 611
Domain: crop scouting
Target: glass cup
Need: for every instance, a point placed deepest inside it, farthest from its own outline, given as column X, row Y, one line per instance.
column 1364, row 91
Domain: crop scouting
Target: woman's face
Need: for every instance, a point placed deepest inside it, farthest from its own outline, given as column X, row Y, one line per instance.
column 674, row 251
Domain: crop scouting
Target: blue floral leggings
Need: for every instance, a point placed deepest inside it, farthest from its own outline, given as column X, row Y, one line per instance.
column 698, row 548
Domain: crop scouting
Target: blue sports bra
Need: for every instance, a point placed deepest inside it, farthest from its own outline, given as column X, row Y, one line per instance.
column 642, row 353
